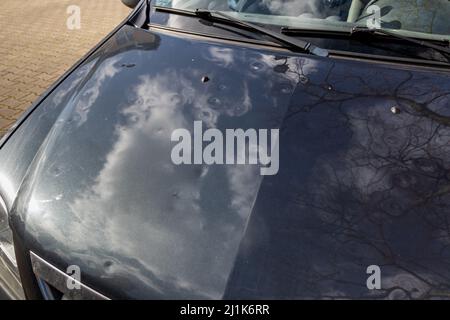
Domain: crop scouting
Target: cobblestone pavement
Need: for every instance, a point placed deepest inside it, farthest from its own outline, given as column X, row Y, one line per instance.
column 36, row 46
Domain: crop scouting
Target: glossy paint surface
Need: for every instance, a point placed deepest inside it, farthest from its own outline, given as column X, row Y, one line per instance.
column 364, row 175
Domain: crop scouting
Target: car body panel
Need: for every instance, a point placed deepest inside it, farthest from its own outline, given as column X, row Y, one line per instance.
column 363, row 179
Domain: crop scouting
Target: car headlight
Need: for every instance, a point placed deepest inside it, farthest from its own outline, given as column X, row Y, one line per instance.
column 9, row 274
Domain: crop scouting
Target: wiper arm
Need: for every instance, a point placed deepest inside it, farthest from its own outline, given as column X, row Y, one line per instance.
column 358, row 29
column 361, row 30
column 216, row 16
column 297, row 43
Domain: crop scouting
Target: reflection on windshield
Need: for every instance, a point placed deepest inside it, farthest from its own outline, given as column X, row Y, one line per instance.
column 423, row 17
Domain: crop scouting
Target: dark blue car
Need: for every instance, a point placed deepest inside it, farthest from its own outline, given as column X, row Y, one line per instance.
column 240, row 149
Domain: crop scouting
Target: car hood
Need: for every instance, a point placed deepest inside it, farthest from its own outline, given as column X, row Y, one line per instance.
column 363, row 178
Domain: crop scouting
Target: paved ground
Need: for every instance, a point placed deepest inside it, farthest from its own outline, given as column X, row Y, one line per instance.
column 36, row 46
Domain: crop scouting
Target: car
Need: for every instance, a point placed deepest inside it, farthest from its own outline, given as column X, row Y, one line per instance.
column 241, row 149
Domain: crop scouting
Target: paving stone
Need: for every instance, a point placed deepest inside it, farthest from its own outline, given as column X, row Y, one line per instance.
column 36, row 53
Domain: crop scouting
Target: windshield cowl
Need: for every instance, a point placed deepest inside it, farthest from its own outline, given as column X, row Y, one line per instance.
column 426, row 21
column 311, row 35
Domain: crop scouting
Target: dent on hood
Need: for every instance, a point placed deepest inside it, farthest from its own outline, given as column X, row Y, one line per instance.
column 158, row 223
column 106, row 195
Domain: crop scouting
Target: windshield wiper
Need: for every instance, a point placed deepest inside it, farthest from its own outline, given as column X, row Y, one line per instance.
column 297, row 43
column 423, row 43
column 364, row 30
column 216, row 16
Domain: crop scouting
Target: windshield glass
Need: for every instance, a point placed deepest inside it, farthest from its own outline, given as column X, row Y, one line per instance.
column 426, row 19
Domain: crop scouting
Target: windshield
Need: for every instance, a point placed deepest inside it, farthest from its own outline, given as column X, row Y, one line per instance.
column 426, row 19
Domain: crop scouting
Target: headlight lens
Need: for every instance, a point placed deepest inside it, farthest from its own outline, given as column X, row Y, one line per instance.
column 9, row 274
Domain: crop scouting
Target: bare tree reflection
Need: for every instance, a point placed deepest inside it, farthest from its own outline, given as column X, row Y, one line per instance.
column 362, row 185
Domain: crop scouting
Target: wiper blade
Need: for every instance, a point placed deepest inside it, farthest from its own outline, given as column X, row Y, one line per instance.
column 216, row 16
column 297, row 43
column 423, row 43
column 445, row 49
